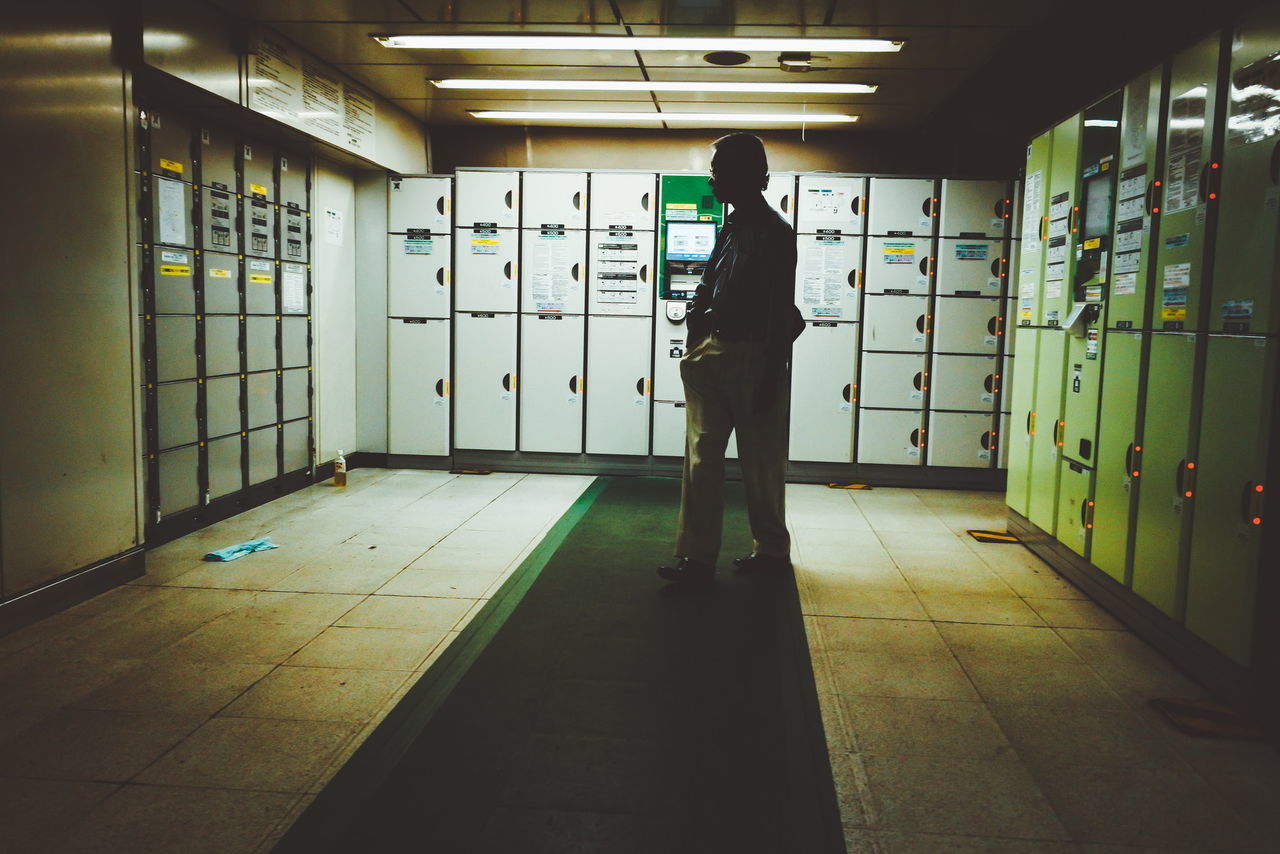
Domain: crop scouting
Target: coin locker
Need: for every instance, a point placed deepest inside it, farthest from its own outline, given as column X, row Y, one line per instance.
column 295, row 438
column 176, row 414
column 966, row 325
column 225, row 476
column 553, row 271
column 260, row 286
column 221, row 283
column 261, row 389
column 217, row 159
column 618, row 383
column 418, row 389
column 893, row 380
column 179, row 479
column 827, row 276
column 971, row 267
column 622, row 201
column 293, row 180
column 891, row 437
column 622, row 272
column 221, row 345
column 175, row 347
column 965, row 383
column 219, row 210
column 899, row 265
column 487, row 271
column 961, row 440
column 486, row 199
column 554, row 200
column 260, row 228
column 974, row 209
column 222, row 402
column 419, row 275
column 899, row 323
column 551, row 383
column 484, row 395
column 263, row 447
column 173, row 280
column 258, row 171
column 260, row 343
column 824, row 393
column 420, row 204
column 830, row 204
column 902, row 206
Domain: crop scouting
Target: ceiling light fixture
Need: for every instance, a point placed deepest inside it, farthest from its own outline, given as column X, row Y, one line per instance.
column 630, row 43
column 725, row 118
column 656, row 86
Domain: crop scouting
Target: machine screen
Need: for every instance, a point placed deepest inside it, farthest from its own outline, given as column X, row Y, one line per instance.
column 1097, row 206
column 690, row 241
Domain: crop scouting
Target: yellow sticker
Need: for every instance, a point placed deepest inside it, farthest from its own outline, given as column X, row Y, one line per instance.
column 219, row 273
column 681, row 206
column 171, row 165
column 261, row 278
column 175, row 270
column 258, row 188
column 1093, row 244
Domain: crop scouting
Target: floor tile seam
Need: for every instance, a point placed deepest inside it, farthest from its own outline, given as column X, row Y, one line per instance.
column 944, row 837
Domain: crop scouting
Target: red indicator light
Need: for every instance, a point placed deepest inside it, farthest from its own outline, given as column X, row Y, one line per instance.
column 1214, row 166
column 1257, row 521
column 1258, row 488
column 1137, row 447
column 1158, row 183
column 1191, row 465
column 1188, row 494
column 1155, row 210
column 1213, row 196
column 1135, row 474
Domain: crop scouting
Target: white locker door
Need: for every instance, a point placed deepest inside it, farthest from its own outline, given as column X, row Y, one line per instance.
column 962, row 439
column 418, row 387
column 622, row 272
column 889, row 437
column 554, row 200
column 971, row 266
column 486, row 272
column 623, row 200
column 486, row 198
column 553, row 271
column 827, row 276
column 781, row 196
column 824, row 370
column 420, row 204
column 893, row 380
column 899, row 265
column 902, row 206
column 618, row 385
column 825, row 203
column 551, row 383
column 484, row 394
column 966, row 325
column 418, row 275
column 895, row 323
column 972, row 208
column 669, row 432
column 668, row 348
column 966, row 383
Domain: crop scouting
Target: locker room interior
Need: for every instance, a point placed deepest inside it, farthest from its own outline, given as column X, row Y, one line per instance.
column 1036, row 263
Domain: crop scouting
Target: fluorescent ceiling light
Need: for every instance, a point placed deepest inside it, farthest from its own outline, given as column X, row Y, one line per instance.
column 1102, row 123
column 657, row 86
column 629, row 43
column 723, row 118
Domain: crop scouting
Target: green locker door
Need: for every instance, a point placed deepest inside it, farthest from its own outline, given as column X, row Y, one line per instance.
column 1035, row 212
column 1115, row 488
column 1046, row 447
column 1128, row 306
column 1075, row 506
column 1180, row 252
column 1240, row 376
column 1021, row 403
column 1246, row 268
column 1163, row 508
column 1081, row 394
column 1060, row 248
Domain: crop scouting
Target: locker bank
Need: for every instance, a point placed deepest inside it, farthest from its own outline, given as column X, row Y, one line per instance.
column 394, row 296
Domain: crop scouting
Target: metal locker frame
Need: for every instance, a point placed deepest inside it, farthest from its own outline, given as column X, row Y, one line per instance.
column 967, row 325
column 418, row 283
column 896, row 323
column 486, row 197
column 842, row 212
column 618, row 385
column 418, row 390
column 551, row 383
column 554, row 200
column 961, row 440
column 960, row 272
column 902, row 206
column 812, row 296
column 258, row 170
column 964, row 383
column 623, row 200
column 891, row 437
column 972, row 208
column 484, row 393
column 574, row 285
column 824, row 376
column 914, row 277
column 221, row 292
column 893, row 380
column 420, row 203
column 643, row 307
column 486, row 281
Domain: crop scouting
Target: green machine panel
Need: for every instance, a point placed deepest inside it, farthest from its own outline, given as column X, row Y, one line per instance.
column 1081, row 394
column 1180, row 251
column 1115, row 487
column 1247, row 255
column 1128, row 304
column 1021, row 403
column 1060, row 247
column 686, row 206
column 1046, row 439
column 1235, row 440
column 1035, row 212
column 1075, row 507
column 1164, row 508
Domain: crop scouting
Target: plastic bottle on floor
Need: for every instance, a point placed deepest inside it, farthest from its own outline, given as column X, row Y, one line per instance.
column 340, row 470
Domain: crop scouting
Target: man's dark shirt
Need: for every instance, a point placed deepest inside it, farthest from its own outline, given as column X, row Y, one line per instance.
column 747, row 291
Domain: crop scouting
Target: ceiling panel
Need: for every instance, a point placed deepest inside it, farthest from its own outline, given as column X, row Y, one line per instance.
column 514, row 11
column 318, row 10
column 956, row 13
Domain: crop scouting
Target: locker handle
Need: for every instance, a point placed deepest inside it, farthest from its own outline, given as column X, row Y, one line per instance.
column 1148, row 200
column 986, row 441
column 640, row 386
column 920, row 321
column 577, row 201
column 1252, row 503
column 924, row 266
column 1204, row 181
column 1085, row 508
column 856, row 206
column 506, row 382
column 926, row 207
column 440, row 205
column 995, row 266
column 508, row 198
column 1275, row 163
column 573, row 384
column 644, row 272
column 848, row 393
column 1031, row 423
column 1072, row 216
column 918, row 380
column 916, row 437
column 1044, row 228
column 577, row 268
column 993, row 325
column 439, row 388
column 644, row 201
column 440, row 275
column 785, row 204
column 506, row 269
column 1186, row 480
column 989, row 383
column 1059, row 433
column 1128, row 461
column 853, row 278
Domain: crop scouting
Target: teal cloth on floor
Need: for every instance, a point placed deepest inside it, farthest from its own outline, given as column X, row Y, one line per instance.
column 239, row 551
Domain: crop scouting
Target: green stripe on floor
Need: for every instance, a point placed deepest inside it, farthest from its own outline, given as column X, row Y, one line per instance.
column 596, row 710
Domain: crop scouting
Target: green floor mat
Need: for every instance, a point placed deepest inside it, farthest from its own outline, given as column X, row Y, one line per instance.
column 608, row 713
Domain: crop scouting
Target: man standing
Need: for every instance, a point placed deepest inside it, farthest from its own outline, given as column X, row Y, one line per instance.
column 741, row 325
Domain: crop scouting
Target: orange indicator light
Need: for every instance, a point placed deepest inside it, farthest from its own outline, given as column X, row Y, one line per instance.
column 1135, row 474
column 1258, row 488
column 1137, row 447
column 1191, row 465
column 1257, row 521
column 1188, row 494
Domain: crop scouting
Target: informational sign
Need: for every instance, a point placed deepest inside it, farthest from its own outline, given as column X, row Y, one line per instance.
column 293, row 289
column 616, row 260
column 1032, row 204
column 333, row 227
column 1186, row 137
column 824, row 276
column 291, row 86
column 171, row 213
column 824, row 202
column 1255, row 102
column 899, row 253
column 972, row 251
column 551, row 275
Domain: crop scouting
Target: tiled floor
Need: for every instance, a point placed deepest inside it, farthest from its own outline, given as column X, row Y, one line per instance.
column 974, row 701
